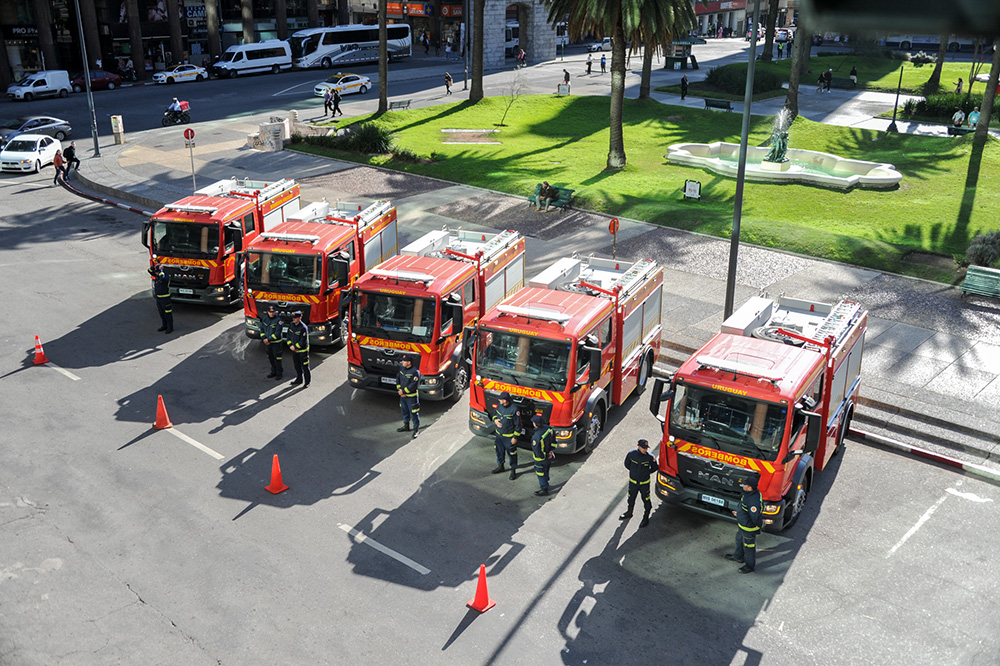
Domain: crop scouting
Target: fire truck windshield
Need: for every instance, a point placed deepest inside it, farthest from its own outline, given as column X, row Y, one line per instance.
column 393, row 317
column 727, row 422
column 524, row 360
column 284, row 273
column 192, row 240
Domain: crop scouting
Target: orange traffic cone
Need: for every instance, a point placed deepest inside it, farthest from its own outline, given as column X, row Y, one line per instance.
column 39, row 352
column 277, row 485
column 482, row 602
column 162, row 420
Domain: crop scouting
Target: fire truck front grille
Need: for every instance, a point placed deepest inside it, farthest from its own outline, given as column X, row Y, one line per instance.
column 187, row 276
column 702, row 474
column 385, row 361
column 284, row 310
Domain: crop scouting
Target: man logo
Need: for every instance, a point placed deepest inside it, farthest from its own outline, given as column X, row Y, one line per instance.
column 716, row 479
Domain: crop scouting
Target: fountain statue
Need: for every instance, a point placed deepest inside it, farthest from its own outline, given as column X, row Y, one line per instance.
column 779, row 143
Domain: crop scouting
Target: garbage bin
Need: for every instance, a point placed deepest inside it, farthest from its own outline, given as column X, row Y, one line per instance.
column 118, row 129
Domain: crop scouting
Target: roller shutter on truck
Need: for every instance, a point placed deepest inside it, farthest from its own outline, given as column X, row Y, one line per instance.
column 505, row 282
column 381, row 246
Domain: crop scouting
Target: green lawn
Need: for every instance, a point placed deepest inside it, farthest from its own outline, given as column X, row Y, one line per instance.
column 565, row 141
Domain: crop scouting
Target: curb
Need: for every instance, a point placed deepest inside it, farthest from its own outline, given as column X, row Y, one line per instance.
column 979, row 471
column 110, row 202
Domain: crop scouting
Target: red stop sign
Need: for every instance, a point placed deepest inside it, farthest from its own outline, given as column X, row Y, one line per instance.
column 613, row 226
column 189, row 134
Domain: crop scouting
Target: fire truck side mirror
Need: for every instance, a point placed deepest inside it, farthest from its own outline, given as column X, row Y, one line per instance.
column 145, row 234
column 658, row 395
column 594, row 358
column 468, row 343
column 341, row 269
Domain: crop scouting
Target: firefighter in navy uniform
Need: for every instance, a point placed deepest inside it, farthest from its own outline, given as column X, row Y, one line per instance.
column 272, row 332
column 407, row 380
column 750, row 518
column 541, row 452
column 508, row 425
column 640, row 466
column 161, row 291
column 298, row 341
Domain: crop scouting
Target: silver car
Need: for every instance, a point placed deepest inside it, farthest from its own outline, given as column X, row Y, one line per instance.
column 58, row 129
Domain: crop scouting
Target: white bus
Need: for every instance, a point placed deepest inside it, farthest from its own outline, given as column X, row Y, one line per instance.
column 928, row 42
column 272, row 55
column 326, row 47
column 562, row 34
column 511, row 38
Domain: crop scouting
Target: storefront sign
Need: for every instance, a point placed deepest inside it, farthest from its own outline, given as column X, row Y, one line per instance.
column 20, row 32
column 716, row 6
column 420, row 10
column 451, row 11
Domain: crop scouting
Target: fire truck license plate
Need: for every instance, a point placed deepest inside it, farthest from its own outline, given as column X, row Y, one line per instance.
column 388, row 380
column 189, row 292
column 713, row 500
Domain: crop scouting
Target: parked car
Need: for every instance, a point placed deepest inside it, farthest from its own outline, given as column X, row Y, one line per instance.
column 345, row 83
column 99, row 80
column 28, row 152
column 60, row 129
column 47, row 83
column 782, row 35
column 181, row 73
column 603, row 45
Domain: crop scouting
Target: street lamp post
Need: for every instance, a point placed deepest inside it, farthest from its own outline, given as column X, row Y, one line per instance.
column 466, row 10
column 892, row 126
column 86, row 80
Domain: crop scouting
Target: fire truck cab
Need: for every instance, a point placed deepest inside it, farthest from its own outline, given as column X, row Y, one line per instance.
column 304, row 263
column 578, row 340
column 197, row 237
column 419, row 302
column 771, row 395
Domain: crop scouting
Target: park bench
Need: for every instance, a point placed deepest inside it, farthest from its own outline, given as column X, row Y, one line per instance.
column 400, row 104
column 718, row 104
column 563, row 199
column 960, row 131
column 842, row 82
column 982, row 281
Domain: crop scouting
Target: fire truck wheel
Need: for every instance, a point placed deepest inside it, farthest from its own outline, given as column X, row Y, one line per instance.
column 594, row 427
column 461, row 383
column 340, row 336
column 843, row 431
column 798, row 502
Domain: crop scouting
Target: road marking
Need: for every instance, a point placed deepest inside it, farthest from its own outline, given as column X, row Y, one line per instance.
column 193, row 442
column 972, row 497
column 65, row 372
column 282, row 92
column 920, row 523
column 361, row 538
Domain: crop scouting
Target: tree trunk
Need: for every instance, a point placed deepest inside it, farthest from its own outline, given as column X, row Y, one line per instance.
column 989, row 97
column 799, row 52
column 476, row 90
column 647, row 70
column 616, row 144
column 246, row 11
column 281, row 18
column 383, row 59
column 772, row 20
column 935, row 81
column 174, row 26
column 135, row 38
column 802, row 34
column 212, row 24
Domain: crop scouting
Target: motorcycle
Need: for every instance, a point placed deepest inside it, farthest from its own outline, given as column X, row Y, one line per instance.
column 171, row 117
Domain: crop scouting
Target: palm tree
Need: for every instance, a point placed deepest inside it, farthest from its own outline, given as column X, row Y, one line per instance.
column 476, row 90
column 383, row 59
column 801, row 48
column 662, row 23
column 620, row 18
column 772, row 20
column 989, row 97
column 935, row 80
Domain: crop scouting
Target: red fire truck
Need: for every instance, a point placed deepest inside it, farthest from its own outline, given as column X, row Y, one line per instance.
column 578, row 340
column 771, row 395
column 419, row 303
column 304, row 263
column 197, row 237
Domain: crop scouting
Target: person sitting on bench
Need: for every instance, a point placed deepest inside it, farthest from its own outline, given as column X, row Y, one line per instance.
column 548, row 194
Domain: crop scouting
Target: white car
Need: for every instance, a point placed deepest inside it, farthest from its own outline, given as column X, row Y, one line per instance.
column 28, row 152
column 181, row 73
column 345, row 83
column 603, row 45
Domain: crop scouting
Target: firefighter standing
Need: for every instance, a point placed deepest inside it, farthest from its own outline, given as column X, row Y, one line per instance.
column 508, row 424
column 407, row 381
column 750, row 518
column 272, row 332
column 161, row 291
column 541, row 452
column 640, row 466
column 298, row 340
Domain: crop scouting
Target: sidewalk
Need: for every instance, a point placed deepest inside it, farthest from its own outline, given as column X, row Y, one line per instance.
column 932, row 356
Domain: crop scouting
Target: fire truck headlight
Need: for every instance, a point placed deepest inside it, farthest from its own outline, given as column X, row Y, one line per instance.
column 431, row 381
column 251, row 323
column 321, row 328
column 353, row 371
column 475, row 416
column 772, row 508
column 564, row 434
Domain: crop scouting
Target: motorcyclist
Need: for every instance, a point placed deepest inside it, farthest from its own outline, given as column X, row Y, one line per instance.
column 175, row 106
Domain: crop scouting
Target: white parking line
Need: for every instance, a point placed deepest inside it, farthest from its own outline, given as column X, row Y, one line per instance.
column 361, row 538
column 920, row 523
column 65, row 372
column 193, row 442
column 282, row 92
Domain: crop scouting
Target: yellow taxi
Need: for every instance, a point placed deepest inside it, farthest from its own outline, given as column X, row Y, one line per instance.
column 181, row 73
column 345, row 83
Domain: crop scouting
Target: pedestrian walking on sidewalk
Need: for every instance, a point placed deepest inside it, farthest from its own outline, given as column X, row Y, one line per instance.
column 684, row 86
column 272, row 333
column 161, row 292
column 590, row 63
column 70, row 156
column 750, row 518
column 640, row 466
column 327, row 102
column 337, row 98
column 447, row 50
column 298, row 342
column 447, row 83
column 58, row 163
column 407, row 381
column 958, row 87
column 604, row 64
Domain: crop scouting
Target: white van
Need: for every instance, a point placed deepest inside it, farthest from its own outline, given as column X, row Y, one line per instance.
column 47, row 83
column 272, row 55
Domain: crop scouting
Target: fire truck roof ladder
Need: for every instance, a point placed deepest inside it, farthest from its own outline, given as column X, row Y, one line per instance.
column 192, row 209
column 533, row 312
column 373, row 212
column 408, row 276
column 267, row 190
column 635, row 276
column 291, row 238
column 498, row 244
column 839, row 321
